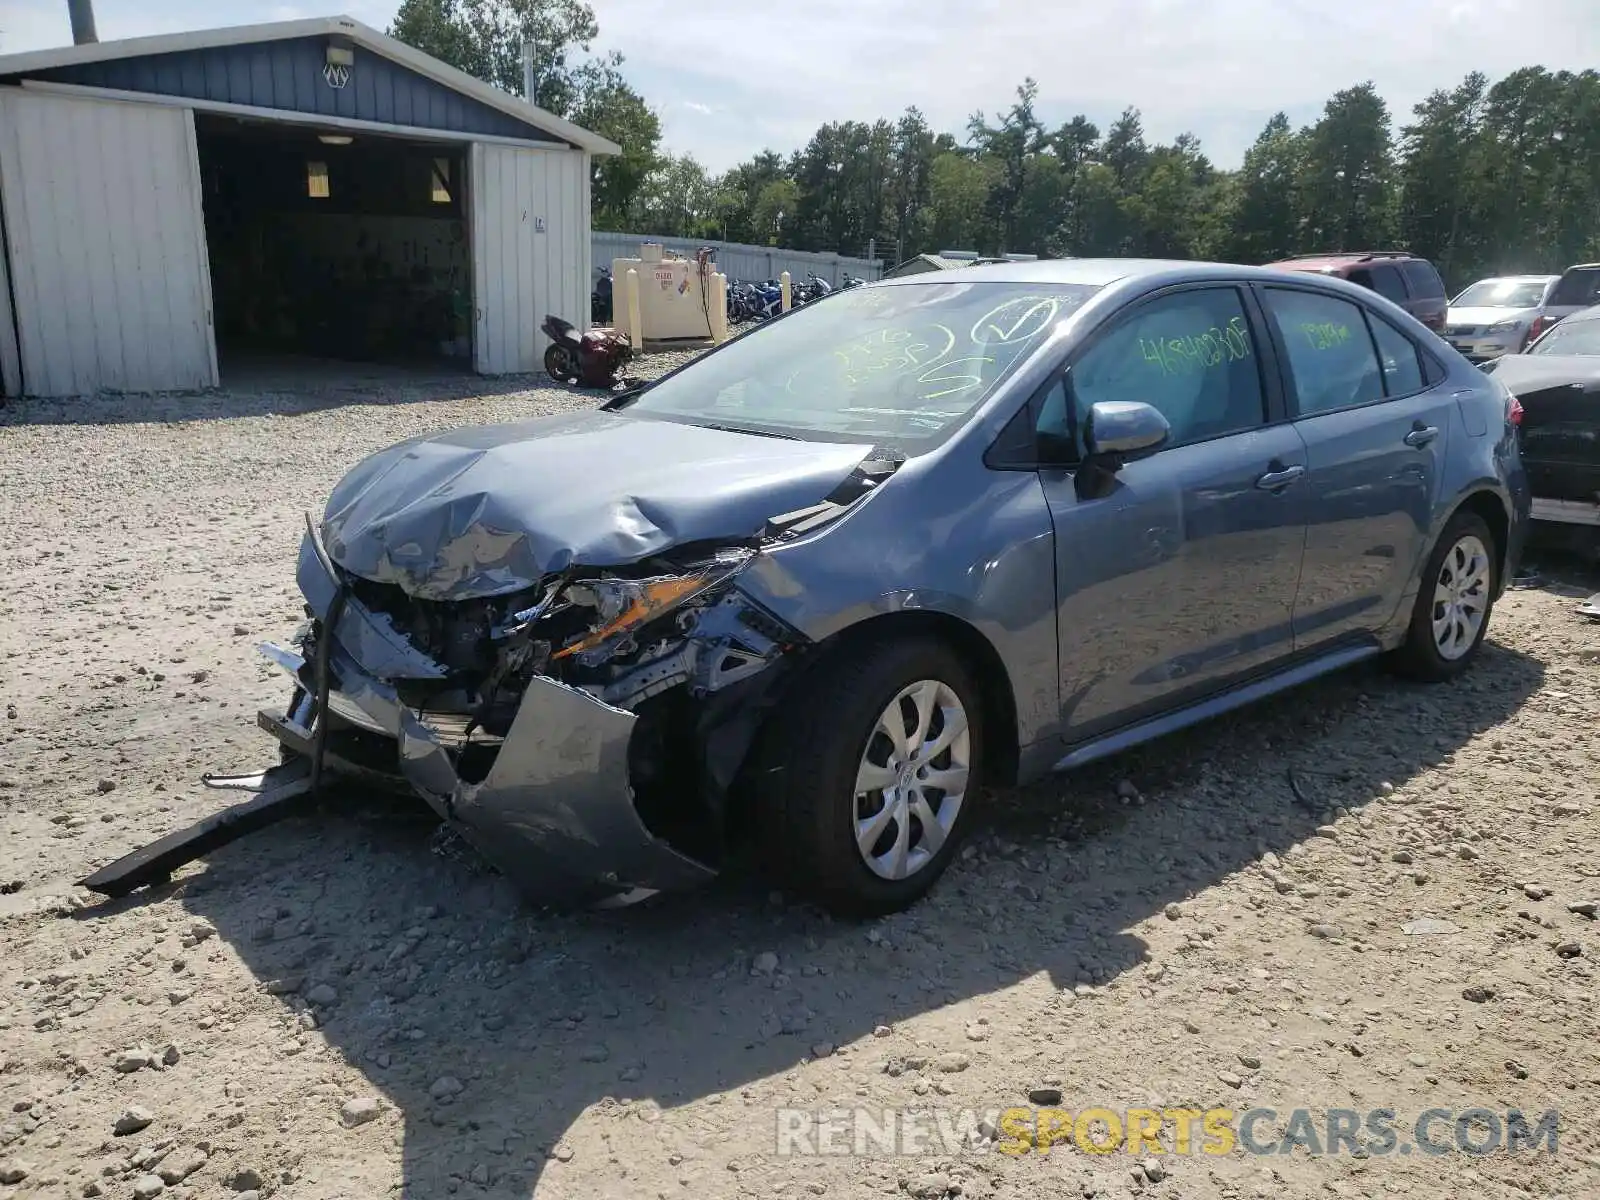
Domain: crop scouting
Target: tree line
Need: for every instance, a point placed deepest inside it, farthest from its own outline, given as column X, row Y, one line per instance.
column 1485, row 178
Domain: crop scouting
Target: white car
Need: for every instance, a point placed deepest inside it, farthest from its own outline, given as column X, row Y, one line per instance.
column 1493, row 316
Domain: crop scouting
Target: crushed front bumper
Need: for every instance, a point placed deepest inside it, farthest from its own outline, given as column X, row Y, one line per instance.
column 555, row 812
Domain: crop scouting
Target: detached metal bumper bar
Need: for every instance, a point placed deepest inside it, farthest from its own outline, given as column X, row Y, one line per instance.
column 279, row 793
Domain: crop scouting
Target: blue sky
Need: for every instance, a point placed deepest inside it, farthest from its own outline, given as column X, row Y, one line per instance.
column 731, row 77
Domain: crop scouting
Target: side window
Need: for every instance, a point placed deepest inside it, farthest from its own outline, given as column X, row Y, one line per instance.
column 1424, row 280
column 1387, row 283
column 1190, row 355
column 1399, row 357
column 1329, row 350
column 1058, row 432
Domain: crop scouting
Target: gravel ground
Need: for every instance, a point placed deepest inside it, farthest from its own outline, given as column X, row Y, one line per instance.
column 334, row 1009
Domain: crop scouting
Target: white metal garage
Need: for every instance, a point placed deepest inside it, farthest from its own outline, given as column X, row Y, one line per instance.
column 103, row 211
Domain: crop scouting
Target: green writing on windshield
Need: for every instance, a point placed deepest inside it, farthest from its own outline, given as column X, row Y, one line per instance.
column 920, row 364
column 1214, row 347
column 1325, row 335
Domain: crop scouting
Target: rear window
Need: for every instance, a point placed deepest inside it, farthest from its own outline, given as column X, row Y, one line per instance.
column 1579, row 286
column 1424, row 280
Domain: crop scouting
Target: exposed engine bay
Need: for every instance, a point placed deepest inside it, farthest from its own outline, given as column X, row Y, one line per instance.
column 579, row 709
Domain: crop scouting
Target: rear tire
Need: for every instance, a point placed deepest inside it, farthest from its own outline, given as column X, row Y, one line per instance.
column 861, row 820
column 1455, row 598
column 560, row 363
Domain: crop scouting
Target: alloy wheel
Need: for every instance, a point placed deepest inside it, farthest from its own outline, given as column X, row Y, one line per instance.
column 1461, row 598
column 912, row 779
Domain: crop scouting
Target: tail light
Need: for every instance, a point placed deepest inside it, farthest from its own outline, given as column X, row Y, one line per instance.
column 1540, row 324
column 1514, row 412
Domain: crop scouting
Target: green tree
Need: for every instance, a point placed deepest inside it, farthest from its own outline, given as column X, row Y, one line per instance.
column 1265, row 223
column 910, row 179
column 1437, row 164
column 959, row 186
column 484, row 38
column 608, row 106
column 1346, row 173
column 679, row 200
column 1013, row 146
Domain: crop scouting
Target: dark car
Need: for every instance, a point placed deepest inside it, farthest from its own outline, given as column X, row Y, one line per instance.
column 1396, row 275
column 1577, row 289
column 1557, row 383
column 821, row 585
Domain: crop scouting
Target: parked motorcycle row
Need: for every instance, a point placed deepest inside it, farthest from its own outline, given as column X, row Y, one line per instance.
column 746, row 301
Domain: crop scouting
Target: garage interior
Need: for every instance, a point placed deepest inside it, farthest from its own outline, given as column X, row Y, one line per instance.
column 338, row 246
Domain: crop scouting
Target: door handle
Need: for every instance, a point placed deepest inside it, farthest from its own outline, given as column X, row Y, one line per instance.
column 1282, row 478
column 1421, row 435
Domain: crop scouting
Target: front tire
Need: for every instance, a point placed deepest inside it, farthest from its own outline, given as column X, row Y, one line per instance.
column 871, row 772
column 1454, row 599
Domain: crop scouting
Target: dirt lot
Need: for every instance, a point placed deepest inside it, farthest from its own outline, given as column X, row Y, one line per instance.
column 335, row 1008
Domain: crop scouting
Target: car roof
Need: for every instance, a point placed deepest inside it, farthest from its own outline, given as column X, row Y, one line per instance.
column 1342, row 258
column 1592, row 313
column 1516, row 279
column 1582, row 267
column 1089, row 272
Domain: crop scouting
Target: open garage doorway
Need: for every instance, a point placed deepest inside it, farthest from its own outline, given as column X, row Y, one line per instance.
column 325, row 245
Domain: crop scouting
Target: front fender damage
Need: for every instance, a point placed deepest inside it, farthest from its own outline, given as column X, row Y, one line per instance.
column 582, row 733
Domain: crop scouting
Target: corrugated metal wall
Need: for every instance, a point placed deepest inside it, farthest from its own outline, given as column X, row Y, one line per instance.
column 108, row 258
column 530, row 251
column 738, row 260
column 288, row 75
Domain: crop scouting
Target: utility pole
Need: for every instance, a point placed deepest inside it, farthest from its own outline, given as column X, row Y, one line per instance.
column 530, row 72
column 82, row 13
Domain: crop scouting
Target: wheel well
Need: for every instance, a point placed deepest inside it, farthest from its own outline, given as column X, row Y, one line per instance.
column 1488, row 506
column 980, row 658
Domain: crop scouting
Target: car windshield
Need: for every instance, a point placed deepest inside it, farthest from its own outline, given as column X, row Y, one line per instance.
column 1570, row 337
column 901, row 365
column 1502, row 293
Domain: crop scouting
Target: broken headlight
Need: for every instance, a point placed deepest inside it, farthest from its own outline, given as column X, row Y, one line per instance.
column 627, row 605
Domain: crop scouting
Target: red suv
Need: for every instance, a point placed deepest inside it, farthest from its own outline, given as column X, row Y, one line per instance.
column 1409, row 281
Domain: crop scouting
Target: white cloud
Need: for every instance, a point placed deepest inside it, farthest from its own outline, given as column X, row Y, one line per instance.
column 731, row 77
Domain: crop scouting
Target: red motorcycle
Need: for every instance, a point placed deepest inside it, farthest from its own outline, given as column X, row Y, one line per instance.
column 595, row 359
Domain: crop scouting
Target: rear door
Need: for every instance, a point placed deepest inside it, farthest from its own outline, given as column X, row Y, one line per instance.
column 1376, row 426
column 1182, row 578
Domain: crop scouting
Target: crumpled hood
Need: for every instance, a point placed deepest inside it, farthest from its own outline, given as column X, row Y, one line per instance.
column 490, row 509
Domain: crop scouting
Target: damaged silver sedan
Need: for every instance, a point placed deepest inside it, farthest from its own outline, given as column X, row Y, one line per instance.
column 812, row 591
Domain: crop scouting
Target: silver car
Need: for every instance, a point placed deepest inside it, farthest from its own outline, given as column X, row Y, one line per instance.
column 1495, row 316
column 820, row 587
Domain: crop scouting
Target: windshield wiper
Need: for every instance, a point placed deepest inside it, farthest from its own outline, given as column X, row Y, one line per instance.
column 787, row 437
column 627, row 396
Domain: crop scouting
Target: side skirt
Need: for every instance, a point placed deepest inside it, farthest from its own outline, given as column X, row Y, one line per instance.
column 1215, row 705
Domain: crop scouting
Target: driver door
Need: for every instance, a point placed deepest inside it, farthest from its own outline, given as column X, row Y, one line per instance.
column 1181, row 579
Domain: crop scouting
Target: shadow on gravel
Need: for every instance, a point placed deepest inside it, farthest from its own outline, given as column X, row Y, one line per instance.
column 491, row 1029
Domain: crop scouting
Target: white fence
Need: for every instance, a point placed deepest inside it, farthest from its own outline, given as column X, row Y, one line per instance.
column 737, row 260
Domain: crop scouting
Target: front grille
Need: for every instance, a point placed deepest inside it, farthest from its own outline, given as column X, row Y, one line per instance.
column 1462, row 330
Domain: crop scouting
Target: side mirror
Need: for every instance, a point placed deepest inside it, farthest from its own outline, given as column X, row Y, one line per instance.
column 1118, row 432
